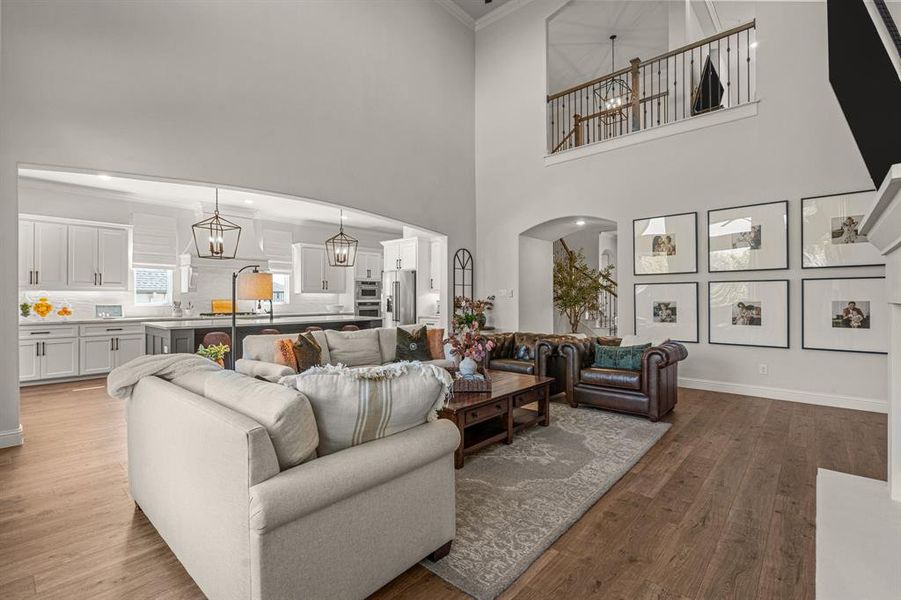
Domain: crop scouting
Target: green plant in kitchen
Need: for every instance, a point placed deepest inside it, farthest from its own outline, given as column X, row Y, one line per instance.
column 25, row 310
column 214, row 352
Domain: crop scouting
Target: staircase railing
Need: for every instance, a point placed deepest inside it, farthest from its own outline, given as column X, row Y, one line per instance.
column 674, row 86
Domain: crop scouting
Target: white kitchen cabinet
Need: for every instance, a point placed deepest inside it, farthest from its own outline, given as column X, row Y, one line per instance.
column 96, row 355
column 128, row 348
column 112, row 258
column 368, row 266
column 98, row 257
column 48, row 359
column 42, row 255
column 313, row 273
column 407, row 254
column 29, row 360
column 435, row 266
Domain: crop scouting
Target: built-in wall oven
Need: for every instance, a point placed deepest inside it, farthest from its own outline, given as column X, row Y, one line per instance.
column 368, row 308
column 366, row 291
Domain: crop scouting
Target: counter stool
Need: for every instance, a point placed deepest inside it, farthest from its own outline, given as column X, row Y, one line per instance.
column 350, row 328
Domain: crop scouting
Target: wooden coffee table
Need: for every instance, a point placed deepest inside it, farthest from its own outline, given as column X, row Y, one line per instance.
column 487, row 418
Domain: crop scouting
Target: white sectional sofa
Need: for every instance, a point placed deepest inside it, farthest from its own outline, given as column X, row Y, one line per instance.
column 339, row 527
column 258, row 351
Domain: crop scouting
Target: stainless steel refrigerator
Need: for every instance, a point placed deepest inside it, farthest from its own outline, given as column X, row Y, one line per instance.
column 400, row 297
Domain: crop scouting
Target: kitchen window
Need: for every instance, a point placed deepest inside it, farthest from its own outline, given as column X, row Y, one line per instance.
column 280, row 288
column 153, row 286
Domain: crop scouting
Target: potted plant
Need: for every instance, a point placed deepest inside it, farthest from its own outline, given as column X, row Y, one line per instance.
column 469, row 311
column 467, row 342
column 578, row 287
column 214, row 352
column 25, row 310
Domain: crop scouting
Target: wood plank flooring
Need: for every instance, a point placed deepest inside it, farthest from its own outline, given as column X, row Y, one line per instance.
column 722, row 507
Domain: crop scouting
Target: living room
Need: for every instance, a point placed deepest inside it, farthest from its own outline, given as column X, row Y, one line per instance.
column 720, row 462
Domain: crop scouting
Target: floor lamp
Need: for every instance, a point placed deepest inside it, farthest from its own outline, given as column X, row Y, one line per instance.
column 253, row 285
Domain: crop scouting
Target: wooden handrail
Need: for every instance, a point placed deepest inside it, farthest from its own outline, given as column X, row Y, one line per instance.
column 718, row 36
column 564, row 140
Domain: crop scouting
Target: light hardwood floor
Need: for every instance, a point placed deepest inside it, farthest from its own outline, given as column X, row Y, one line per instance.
column 722, row 507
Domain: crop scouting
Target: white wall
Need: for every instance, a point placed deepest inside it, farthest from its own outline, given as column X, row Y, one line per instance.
column 316, row 99
column 798, row 145
column 536, row 308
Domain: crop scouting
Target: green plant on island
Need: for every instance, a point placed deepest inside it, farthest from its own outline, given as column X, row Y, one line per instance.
column 25, row 309
column 578, row 287
column 214, row 352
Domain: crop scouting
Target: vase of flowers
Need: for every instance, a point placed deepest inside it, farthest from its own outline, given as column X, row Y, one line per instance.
column 467, row 342
column 214, row 352
column 470, row 312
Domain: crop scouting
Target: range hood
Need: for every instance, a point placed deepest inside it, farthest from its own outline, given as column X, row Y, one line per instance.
column 250, row 247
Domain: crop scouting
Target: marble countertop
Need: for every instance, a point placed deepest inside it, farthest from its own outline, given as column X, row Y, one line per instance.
column 161, row 319
column 257, row 322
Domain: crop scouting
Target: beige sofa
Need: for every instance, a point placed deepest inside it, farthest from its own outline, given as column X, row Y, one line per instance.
column 338, row 526
column 259, row 351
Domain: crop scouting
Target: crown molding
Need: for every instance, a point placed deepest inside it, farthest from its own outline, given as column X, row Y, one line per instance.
column 454, row 9
column 500, row 12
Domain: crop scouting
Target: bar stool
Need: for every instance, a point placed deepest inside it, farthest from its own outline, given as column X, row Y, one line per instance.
column 270, row 332
column 217, row 337
column 312, row 328
column 350, row 328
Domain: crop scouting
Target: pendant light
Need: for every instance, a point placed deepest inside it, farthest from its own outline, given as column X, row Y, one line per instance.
column 210, row 236
column 341, row 248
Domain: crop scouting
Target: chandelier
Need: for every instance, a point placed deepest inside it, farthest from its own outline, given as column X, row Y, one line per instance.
column 211, row 235
column 613, row 94
column 341, row 248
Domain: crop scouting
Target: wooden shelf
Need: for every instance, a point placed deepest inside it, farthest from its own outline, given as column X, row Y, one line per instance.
column 476, row 437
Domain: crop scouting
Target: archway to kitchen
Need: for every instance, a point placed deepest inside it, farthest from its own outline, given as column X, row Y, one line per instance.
column 97, row 245
column 549, row 242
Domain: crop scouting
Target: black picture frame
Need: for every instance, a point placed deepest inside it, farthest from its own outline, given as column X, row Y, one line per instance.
column 801, row 221
column 803, row 344
column 697, row 339
column 787, row 283
column 787, row 238
column 697, row 242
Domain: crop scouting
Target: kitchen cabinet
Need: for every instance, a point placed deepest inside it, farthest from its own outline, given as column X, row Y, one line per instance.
column 407, row 254
column 42, row 255
column 435, row 266
column 314, row 275
column 98, row 257
column 48, row 358
column 102, row 354
column 368, row 266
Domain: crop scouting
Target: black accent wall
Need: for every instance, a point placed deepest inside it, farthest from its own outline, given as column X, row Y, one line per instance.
column 866, row 84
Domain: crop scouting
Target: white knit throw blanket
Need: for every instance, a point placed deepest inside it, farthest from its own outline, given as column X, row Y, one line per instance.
column 122, row 380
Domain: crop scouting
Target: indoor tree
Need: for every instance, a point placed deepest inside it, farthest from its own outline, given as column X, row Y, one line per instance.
column 577, row 286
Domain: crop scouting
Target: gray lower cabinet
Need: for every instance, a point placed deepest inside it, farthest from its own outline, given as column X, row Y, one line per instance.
column 102, row 354
column 48, row 359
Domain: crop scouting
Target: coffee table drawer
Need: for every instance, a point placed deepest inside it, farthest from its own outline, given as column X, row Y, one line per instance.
column 528, row 397
column 474, row 415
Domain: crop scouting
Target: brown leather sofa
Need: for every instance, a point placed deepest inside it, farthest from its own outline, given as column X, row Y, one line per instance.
column 651, row 392
column 544, row 358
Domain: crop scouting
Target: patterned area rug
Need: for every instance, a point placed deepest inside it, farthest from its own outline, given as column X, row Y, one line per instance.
column 514, row 501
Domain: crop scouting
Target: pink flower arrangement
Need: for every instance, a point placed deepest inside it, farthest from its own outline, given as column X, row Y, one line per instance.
column 470, row 343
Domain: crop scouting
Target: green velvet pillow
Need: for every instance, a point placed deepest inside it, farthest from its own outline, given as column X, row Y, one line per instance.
column 413, row 345
column 619, row 357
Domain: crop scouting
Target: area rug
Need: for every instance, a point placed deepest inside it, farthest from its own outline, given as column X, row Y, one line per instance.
column 514, row 501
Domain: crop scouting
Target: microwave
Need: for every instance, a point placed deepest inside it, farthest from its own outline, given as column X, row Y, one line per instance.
column 368, row 290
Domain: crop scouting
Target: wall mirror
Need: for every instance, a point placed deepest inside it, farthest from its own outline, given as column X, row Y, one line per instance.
column 463, row 284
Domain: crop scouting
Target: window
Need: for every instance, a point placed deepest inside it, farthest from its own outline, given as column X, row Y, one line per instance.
column 153, row 286
column 280, row 288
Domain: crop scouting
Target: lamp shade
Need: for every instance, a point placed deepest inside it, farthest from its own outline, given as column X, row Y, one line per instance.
column 254, row 285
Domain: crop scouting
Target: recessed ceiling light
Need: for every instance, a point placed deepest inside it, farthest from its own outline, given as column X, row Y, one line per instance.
column 753, row 44
column 580, row 222
column 344, row 217
column 104, row 177
column 248, row 201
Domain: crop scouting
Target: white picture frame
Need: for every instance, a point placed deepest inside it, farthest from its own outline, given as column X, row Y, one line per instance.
column 748, row 313
column 665, row 245
column 845, row 314
column 829, row 235
column 667, row 310
column 753, row 237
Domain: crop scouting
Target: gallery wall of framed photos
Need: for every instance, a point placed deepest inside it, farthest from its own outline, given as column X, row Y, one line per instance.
column 748, row 303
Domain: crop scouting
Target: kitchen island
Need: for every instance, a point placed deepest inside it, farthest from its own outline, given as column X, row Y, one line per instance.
column 183, row 337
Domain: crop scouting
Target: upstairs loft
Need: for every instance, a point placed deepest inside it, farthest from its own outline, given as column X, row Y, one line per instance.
column 711, row 74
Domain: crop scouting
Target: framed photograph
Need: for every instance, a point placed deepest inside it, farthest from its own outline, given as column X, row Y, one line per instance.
column 748, row 238
column 665, row 245
column 830, row 235
column 748, row 313
column 667, row 310
column 847, row 314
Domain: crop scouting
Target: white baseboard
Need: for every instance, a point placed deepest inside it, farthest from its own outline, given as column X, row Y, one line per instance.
column 823, row 399
column 13, row 437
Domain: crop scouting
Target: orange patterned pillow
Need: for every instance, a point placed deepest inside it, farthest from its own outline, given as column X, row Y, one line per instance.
column 284, row 353
column 435, row 339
